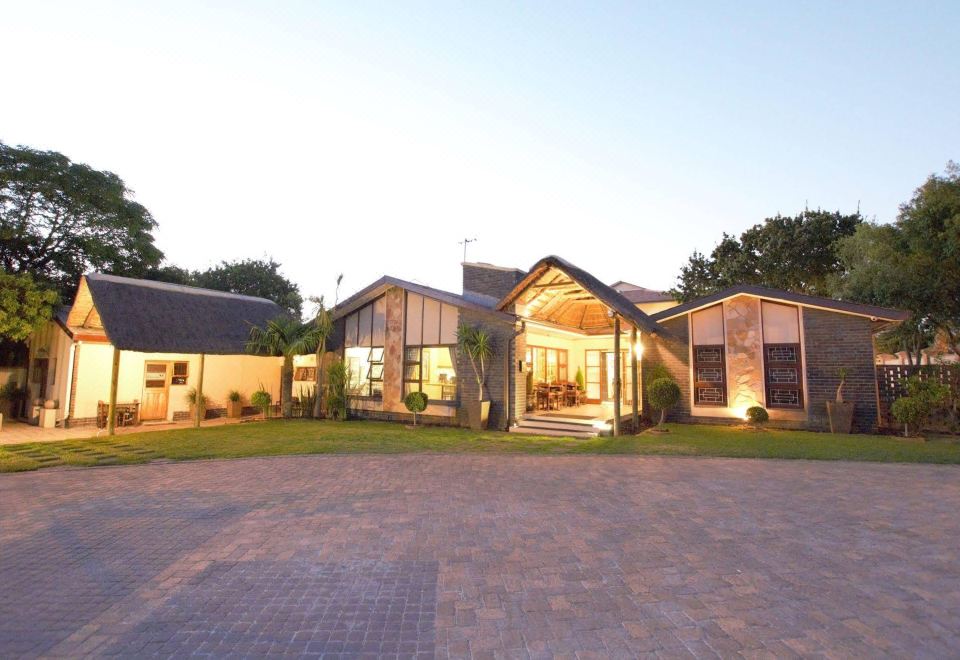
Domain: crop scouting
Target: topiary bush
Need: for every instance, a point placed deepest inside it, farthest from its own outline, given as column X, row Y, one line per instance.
column 663, row 393
column 757, row 415
column 911, row 411
column 416, row 402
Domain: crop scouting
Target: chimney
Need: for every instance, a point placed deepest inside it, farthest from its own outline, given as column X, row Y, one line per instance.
column 488, row 284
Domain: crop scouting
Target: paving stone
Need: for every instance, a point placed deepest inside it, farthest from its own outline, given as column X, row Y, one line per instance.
column 474, row 556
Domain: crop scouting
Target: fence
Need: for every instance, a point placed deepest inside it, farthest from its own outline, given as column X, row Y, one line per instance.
column 892, row 384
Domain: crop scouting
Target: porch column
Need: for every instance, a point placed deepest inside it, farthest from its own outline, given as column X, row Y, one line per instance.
column 616, row 375
column 112, row 408
column 634, row 385
column 198, row 404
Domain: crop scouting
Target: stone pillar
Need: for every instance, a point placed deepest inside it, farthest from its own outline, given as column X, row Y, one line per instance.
column 393, row 352
column 744, row 352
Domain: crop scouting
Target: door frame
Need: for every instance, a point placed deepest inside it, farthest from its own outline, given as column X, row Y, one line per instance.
column 166, row 389
column 625, row 392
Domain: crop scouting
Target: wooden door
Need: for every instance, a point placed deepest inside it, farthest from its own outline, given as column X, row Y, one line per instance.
column 592, row 377
column 156, row 390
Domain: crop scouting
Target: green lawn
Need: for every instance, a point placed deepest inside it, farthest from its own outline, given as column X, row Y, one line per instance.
column 324, row 437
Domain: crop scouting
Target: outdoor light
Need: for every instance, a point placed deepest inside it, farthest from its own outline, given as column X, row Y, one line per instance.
column 639, row 350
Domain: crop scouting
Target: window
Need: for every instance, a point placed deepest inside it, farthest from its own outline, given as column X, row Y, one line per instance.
column 364, row 337
column 781, row 355
column 429, row 355
column 305, row 373
column 548, row 365
column 709, row 359
column 593, row 375
column 180, row 372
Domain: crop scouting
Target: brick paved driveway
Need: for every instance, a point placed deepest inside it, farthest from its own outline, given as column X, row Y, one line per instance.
column 513, row 556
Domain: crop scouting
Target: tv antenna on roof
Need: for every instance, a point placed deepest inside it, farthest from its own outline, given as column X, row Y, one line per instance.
column 465, row 242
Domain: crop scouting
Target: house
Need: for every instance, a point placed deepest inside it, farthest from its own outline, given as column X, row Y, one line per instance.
column 158, row 333
column 741, row 347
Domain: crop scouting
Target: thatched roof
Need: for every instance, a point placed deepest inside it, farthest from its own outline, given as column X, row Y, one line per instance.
column 555, row 291
column 157, row 317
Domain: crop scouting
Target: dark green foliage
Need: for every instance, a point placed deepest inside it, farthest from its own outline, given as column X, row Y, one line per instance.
column 757, row 415
column 912, row 264
column 795, row 253
column 284, row 337
column 60, row 219
column 338, row 377
column 656, row 371
column 262, row 400
column 416, row 402
column 924, row 396
column 664, row 393
column 24, row 306
column 253, row 277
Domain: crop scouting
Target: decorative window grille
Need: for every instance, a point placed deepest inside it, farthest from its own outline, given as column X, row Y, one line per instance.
column 709, row 369
column 784, row 385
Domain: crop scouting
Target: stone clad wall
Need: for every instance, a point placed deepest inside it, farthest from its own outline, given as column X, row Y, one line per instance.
column 393, row 353
column 744, row 339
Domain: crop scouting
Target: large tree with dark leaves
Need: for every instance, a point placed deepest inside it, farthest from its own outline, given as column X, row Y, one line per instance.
column 60, row 219
column 252, row 277
column 795, row 253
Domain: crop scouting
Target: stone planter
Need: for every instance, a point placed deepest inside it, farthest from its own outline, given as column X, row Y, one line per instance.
column 234, row 409
column 840, row 415
column 478, row 413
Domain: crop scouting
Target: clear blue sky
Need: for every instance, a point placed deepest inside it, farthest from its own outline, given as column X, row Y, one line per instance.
column 369, row 138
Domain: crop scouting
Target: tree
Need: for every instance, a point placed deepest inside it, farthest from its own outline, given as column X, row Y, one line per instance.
column 284, row 337
column 60, row 219
column 323, row 327
column 477, row 344
column 913, row 264
column 664, row 393
column 795, row 253
column 252, row 277
column 24, row 306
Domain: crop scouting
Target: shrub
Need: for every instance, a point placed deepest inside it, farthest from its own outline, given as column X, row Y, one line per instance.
column 757, row 415
column 911, row 412
column 663, row 393
column 234, row 396
column 581, row 382
column 191, row 397
column 656, row 372
column 262, row 400
column 416, row 402
column 338, row 378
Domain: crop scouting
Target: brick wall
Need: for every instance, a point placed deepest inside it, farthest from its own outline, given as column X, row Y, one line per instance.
column 487, row 280
column 832, row 341
column 498, row 370
column 674, row 354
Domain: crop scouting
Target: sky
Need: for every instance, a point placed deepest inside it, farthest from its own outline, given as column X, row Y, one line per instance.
column 371, row 138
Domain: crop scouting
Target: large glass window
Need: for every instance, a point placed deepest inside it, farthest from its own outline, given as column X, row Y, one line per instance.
column 363, row 353
column 709, row 359
column 548, row 365
column 781, row 355
column 429, row 357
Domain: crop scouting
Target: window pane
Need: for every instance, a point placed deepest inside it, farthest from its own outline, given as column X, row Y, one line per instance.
column 593, row 359
column 376, row 372
column 449, row 319
column 431, row 321
column 358, row 363
column 414, row 318
column 439, row 373
column 781, row 324
column 376, row 354
column 708, row 325
column 364, row 318
column 379, row 321
column 411, row 354
column 411, row 372
column 180, row 368
column 552, row 372
column 350, row 331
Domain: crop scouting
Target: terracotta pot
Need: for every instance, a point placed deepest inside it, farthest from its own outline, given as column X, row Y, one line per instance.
column 50, row 404
column 234, row 409
column 840, row 415
column 478, row 413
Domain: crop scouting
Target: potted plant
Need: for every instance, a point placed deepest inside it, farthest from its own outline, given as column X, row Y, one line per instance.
column 664, row 393
column 191, row 398
column 477, row 345
column 581, row 382
column 234, row 405
column 416, row 402
column 840, row 412
column 262, row 400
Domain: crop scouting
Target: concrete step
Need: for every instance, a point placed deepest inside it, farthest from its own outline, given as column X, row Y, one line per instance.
column 560, row 433
column 555, row 425
column 551, row 419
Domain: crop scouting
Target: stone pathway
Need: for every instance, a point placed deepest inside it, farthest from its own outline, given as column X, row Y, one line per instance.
column 499, row 556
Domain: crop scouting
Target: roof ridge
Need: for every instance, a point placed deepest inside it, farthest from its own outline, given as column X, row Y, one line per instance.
column 170, row 286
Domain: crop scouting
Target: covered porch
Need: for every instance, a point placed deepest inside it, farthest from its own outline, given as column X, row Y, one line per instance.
column 578, row 334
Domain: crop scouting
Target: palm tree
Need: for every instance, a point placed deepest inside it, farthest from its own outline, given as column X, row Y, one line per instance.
column 323, row 327
column 284, row 337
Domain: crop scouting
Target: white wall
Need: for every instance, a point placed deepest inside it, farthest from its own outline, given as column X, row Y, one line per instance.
column 222, row 373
